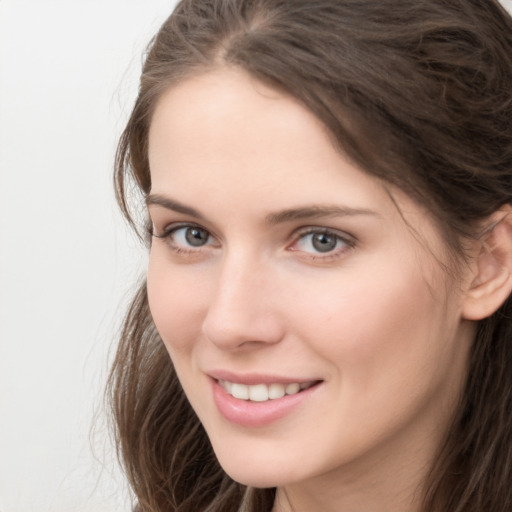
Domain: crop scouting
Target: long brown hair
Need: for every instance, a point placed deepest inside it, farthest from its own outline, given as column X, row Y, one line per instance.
column 418, row 94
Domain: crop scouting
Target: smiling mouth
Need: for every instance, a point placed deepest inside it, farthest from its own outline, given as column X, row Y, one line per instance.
column 264, row 392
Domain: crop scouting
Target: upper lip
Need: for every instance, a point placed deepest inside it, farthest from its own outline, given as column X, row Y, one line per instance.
column 251, row 379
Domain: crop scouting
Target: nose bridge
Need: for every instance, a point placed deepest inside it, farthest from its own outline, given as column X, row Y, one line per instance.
column 241, row 308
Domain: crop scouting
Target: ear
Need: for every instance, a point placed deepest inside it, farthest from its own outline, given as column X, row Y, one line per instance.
column 492, row 274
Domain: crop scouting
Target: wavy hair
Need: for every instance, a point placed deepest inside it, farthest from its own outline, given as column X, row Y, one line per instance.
column 418, row 94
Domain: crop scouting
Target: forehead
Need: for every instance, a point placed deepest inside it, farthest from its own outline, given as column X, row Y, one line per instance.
column 209, row 113
column 226, row 127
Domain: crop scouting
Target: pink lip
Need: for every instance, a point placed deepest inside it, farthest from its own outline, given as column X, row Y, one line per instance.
column 250, row 379
column 257, row 414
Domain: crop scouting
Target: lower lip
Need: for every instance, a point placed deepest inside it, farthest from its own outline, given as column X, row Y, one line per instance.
column 257, row 414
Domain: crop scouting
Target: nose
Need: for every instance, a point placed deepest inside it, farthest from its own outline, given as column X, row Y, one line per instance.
column 243, row 311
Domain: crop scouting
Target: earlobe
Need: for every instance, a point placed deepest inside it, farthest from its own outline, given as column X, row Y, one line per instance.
column 492, row 278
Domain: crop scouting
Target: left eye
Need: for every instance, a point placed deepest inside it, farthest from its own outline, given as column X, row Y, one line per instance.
column 320, row 242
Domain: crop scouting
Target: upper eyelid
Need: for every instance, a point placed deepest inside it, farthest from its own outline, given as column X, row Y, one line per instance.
column 306, row 230
column 173, row 226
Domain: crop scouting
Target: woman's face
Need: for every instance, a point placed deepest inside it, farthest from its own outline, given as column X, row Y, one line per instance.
column 308, row 318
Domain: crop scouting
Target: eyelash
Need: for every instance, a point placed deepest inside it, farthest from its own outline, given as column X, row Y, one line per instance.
column 348, row 241
column 168, row 237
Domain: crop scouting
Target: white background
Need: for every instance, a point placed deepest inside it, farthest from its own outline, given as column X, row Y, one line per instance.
column 68, row 77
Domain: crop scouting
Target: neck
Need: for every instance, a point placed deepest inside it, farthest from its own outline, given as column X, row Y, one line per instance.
column 346, row 497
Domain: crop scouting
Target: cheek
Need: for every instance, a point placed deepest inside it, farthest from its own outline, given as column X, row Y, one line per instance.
column 393, row 351
column 177, row 301
column 374, row 324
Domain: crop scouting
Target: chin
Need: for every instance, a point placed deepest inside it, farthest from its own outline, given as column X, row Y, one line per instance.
column 257, row 473
column 260, row 479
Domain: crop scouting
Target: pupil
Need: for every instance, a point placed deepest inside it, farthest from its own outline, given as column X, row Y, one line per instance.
column 196, row 236
column 323, row 242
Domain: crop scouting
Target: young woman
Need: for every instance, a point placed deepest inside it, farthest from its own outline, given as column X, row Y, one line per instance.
column 326, row 323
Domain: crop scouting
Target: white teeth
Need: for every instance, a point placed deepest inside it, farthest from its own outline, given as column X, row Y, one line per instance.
column 291, row 389
column 263, row 392
column 276, row 391
column 258, row 393
column 240, row 391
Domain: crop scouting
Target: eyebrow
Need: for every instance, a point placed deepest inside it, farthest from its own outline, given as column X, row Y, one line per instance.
column 288, row 215
column 315, row 211
column 171, row 204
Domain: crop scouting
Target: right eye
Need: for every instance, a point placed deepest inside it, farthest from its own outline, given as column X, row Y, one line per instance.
column 191, row 236
column 186, row 237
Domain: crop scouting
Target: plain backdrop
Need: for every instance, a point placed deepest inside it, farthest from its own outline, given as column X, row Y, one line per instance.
column 68, row 78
